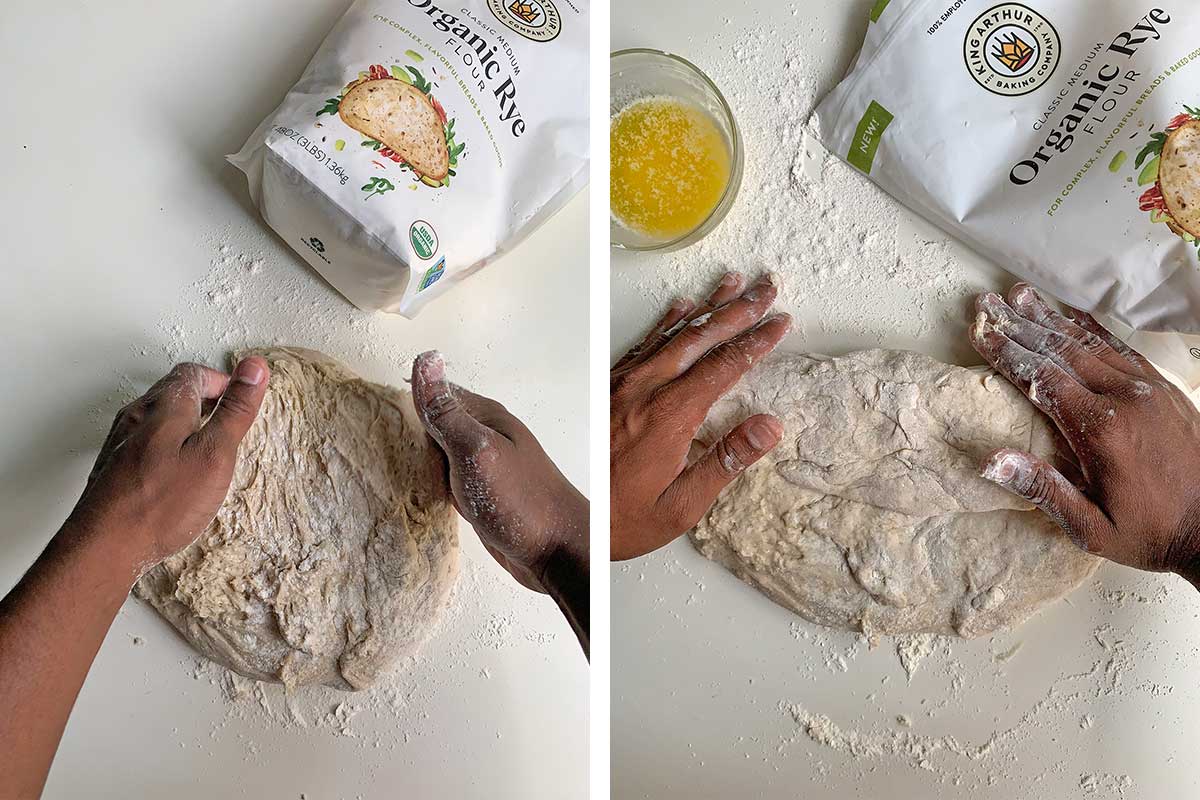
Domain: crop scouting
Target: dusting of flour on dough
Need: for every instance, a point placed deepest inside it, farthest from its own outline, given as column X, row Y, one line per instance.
column 871, row 515
column 337, row 545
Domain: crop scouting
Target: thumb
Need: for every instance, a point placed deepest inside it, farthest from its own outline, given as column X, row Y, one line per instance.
column 237, row 407
column 697, row 487
column 442, row 411
column 1034, row 480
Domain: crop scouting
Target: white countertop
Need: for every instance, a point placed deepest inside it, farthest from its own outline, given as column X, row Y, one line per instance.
column 116, row 204
column 1099, row 698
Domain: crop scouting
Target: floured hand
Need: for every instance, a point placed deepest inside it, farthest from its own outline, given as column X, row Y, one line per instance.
column 163, row 471
column 1136, row 438
column 526, row 513
column 662, row 391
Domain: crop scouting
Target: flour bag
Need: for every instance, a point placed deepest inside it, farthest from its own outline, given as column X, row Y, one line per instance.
column 1060, row 138
column 423, row 142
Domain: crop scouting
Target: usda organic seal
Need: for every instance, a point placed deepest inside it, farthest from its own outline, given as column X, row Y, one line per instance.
column 423, row 238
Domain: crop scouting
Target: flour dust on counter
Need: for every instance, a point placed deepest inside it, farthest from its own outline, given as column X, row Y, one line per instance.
column 1025, row 745
column 835, row 240
column 251, row 296
column 402, row 708
column 945, row 716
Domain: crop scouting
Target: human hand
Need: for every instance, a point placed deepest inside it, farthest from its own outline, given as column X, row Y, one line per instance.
column 163, row 471
column 1135, row 498
column 662, row 391
column 528, row 516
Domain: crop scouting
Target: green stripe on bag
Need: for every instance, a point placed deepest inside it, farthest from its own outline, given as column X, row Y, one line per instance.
column 866, row 137
column 877, row 11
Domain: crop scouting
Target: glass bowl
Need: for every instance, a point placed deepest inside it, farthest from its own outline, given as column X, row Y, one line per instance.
column 640, row 72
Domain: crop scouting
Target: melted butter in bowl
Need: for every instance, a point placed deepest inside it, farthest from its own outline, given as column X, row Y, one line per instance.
column 670, row 166
column 676, row 154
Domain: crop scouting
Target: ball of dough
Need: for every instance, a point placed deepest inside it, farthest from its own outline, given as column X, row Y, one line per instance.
column 336, row 547
column 871, row 515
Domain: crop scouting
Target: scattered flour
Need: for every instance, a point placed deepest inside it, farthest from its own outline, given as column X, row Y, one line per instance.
column 912, row 650
column 255, row 294
column 1105, row 784
column 810, row 218
column 1002, row 756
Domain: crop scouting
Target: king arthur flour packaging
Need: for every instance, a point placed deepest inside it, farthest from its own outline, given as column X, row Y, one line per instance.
column 423, row 142
column 1060, row 138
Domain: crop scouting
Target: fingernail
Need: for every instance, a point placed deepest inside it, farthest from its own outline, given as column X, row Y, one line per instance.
column 993, row 306
column 982, row 327
column 1024, row 296
column 730, row 279
column 782, row 317
column 990, row 299
column 248, row 372
column 1002, row 468
column 680, row 305
column 756, row 291
column 768, row 278
column 432, row 366
column 763, row 434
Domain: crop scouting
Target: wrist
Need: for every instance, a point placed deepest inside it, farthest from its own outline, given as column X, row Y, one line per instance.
column 567, row 563
column 1190, row 572
column 1184, row 552
column 105, row 550
column 570, row 554
column 565, row 576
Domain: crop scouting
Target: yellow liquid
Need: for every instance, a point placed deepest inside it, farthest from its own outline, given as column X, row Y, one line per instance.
column 670, row 166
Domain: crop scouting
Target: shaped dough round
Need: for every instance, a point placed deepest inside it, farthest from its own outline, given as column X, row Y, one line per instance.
column 870, row 514
column 336, row 547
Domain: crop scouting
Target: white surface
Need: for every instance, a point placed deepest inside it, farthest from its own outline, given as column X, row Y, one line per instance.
column 115, row 203
column 704, row 667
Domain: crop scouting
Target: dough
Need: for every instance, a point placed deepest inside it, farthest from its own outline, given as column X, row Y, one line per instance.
column 870, row 514
column 337, row 545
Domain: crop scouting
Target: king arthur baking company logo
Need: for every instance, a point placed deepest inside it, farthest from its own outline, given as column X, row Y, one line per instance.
column 534, row 19
column 1012, row 50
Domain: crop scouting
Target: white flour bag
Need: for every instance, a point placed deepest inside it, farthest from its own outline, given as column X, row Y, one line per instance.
column 1060, row 138
column 424, row 142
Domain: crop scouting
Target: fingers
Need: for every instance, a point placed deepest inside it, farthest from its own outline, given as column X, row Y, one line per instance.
column 731, row 285
column 1043, row 380
column 697, row 487
column 1068, row 352
column 442, row 411
column 236, row 409
column 1034, row 480
column 657, row 337
column 706, row 332
column 1101, row 366
column 728, row 288
column 721, row 369
column 176, row 401
column 1140, row 366
column 494, row 415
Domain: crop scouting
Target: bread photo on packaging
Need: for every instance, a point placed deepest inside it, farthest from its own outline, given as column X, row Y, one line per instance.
column 1170, row 165
column 396, row 111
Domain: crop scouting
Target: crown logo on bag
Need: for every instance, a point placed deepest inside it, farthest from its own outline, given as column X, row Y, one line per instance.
column 1013, row 52
column 524, row 11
